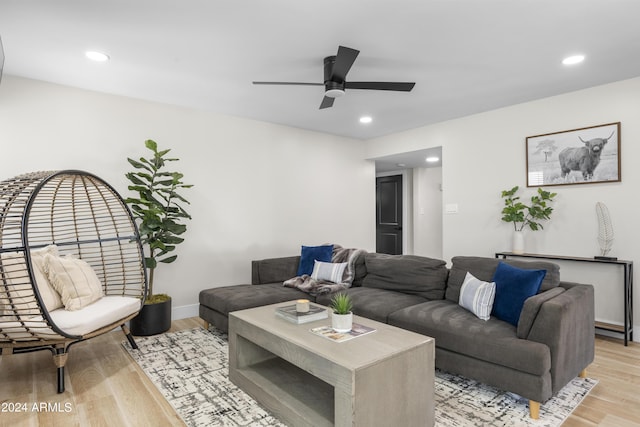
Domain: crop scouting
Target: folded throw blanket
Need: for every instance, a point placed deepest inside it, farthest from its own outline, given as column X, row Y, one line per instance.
column 314, row 287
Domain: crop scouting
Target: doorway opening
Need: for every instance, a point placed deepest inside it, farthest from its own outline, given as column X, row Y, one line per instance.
column 389, row 214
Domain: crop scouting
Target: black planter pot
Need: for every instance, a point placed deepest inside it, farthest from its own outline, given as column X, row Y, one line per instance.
column 153, row 319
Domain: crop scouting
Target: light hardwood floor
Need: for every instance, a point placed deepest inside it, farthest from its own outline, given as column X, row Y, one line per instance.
column 105, row 387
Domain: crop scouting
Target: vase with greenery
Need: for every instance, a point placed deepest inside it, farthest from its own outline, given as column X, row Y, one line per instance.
column 160, row 214
column 523, row 215
column 341, row 316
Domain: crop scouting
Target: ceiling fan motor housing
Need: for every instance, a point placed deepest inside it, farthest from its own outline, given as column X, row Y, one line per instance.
column 333, row 89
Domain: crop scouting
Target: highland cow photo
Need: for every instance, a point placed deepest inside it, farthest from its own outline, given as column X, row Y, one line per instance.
column 579, row 156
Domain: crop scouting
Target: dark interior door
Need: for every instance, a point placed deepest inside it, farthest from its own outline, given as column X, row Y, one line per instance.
column 389, row 215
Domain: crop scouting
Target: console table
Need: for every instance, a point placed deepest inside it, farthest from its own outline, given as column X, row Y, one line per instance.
column 627, row 328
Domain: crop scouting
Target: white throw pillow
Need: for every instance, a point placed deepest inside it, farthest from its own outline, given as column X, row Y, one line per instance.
column 477, row 296
column 18, row 284
column 50, row 297
column 75, row 281
column 328, row 271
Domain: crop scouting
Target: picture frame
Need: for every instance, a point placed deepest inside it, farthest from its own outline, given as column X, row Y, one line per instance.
column 587, row 155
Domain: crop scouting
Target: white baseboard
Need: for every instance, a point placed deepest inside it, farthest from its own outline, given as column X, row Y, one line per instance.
column 185, row 311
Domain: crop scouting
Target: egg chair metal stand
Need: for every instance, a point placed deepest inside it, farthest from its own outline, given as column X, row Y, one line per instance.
column 82, row 217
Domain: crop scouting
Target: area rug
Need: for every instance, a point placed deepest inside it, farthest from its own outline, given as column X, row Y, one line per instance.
column 189, row 368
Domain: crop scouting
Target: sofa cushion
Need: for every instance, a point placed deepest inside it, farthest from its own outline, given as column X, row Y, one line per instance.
column 273, row 270
column 309, row 254
column 513, row 286
column 360, row 270
column 460, row 331
column 477, row 296
column 238, row 297
column 375, row 304
column 409, row 274
column 484, row 268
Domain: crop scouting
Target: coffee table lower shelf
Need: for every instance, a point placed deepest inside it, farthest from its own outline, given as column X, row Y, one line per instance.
column 286, row 389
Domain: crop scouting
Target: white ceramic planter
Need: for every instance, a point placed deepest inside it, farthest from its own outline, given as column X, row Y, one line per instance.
column 518, row 242
column 341, row 322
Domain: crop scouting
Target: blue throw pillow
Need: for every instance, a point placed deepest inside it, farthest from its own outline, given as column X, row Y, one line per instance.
column 309, row 254
column 513, row 286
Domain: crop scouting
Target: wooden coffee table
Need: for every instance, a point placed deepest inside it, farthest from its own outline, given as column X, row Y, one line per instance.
column 385, row 378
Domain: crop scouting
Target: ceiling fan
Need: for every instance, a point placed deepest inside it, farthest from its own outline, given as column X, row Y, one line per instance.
column 335, row 74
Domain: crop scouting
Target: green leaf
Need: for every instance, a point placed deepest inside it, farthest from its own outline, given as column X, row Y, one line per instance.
column 169, row 259
column 151, row 145
column 150, row 262
column 138, row 165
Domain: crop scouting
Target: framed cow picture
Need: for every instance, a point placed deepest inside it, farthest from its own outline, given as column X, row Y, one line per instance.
column 580, row 156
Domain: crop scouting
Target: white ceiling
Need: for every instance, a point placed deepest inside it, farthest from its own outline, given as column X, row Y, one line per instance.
column 466, row 56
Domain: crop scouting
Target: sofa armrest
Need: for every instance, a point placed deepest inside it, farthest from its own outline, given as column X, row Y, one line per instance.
column 566, row 324
column 272, row 270
column 531, row 308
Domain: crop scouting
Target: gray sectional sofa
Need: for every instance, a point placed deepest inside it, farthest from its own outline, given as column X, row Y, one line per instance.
column 552, row 343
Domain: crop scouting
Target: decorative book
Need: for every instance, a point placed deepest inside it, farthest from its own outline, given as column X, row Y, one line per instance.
column 289, row 312
column 357, row 330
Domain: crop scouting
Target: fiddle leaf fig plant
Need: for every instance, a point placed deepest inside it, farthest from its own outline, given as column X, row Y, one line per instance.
column 522, row 215
column 158, row 208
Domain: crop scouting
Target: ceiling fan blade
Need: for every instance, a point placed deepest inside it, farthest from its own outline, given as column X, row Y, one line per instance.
column 344, row 60
column 398, row 86
column 326, row 102
column 289, row 83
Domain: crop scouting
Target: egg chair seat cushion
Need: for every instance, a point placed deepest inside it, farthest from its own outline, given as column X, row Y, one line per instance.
column 105, row 311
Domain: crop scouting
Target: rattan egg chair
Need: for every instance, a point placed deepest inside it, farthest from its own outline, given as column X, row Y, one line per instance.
column 71, row 218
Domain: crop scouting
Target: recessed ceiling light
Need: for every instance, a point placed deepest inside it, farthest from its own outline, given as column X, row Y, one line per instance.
column 432, row 159
column 366, row 119
column 97, row 56
column 572, row 60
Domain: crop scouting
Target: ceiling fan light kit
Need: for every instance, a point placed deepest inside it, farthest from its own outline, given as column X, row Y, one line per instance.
column 334, row 93
column 336, row 69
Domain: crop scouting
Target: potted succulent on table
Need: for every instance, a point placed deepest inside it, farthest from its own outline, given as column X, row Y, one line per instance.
column 522, row 215
column 159, row 212
column 341, row 316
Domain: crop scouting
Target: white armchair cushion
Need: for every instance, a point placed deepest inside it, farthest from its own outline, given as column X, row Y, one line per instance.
column 104, row 312
column 92, row 317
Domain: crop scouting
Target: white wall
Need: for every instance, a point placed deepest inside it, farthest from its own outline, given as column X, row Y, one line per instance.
column 427, row 212
column 485, row 154
column 261, row 190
